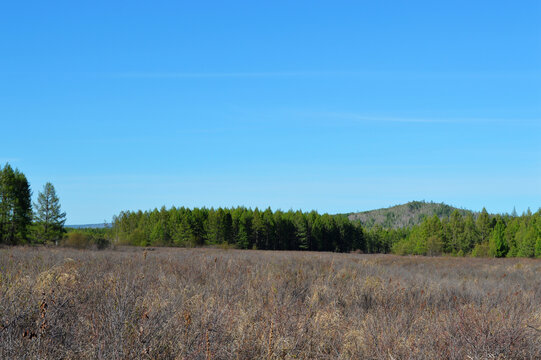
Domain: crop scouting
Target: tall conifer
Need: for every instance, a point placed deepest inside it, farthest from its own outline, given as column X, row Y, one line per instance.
column 49, row 217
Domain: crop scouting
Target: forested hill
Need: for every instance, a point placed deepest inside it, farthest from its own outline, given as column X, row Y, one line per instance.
column 245, row 228
column 405, row 215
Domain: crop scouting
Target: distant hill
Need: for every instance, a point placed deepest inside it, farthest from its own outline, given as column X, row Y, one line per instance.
column 405, row 215
column 89, row 226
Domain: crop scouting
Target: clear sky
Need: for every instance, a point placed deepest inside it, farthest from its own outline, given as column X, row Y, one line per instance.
column 328, row 105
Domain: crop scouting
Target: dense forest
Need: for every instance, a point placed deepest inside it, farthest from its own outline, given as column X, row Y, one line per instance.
column 458, row 234
column 498, row 236
column 240, row 227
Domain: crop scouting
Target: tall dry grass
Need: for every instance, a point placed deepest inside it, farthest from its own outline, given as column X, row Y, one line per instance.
column 219, row 304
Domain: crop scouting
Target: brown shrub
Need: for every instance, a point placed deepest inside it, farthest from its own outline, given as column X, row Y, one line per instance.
column 76, row 240
column 216, row 304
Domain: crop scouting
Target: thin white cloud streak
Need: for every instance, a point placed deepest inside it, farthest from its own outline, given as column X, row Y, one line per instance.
column 364, row 118
column 358, row 117
column 260, row 74
column 296, row 74
column 367, row 118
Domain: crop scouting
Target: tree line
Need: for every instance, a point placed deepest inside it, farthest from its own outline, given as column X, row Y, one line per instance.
column 458, row 234
column 239, row 227
column 244, row 228
column 19, row 223
column 486, row 235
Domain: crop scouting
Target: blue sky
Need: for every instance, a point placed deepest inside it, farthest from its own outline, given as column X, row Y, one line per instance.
column 328, row 105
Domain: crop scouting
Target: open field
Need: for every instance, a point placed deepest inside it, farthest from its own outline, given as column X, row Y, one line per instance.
column 172, row 303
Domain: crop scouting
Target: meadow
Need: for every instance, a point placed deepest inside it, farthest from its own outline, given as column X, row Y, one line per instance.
column 204, row 303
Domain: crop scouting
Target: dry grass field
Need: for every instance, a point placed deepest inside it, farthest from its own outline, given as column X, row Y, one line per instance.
column 230, row 304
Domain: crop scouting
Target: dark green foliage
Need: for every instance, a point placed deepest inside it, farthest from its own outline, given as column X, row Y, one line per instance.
column 455, row 234
column 16, row 225
column 15, row 206
column 483, row 226
column 49, row 217
column 295, row 230
column 498, row 245
column 498, row 236
column 470, row 235
column 538, row 246
column 526, row 238
column 418, row 228
column 244, row 228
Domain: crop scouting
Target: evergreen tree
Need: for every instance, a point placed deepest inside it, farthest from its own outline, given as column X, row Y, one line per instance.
column 197, row 224
column 245, row 236
column 538, row 247
column 15, row 206
column 214, row 227
column 247, row 228
column 359, row 241
column 526, row 238
column 49, row 217
column 158, row 234
column 227, row 223
column 258, row 228
column 456, row 232
column 303, row 231
column 470, row 236
column 183, row 234
column 420, row 236
column 498, row 246
column 483, row 226
column 511, row 230
column 346, row 234
column 268, row 221
column 514, row 213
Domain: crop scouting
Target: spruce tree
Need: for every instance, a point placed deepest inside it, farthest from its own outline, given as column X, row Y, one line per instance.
column 470, row 236
column 498, row 246
column 538, row 247
column 483, row 226
column 15, row 206
column 456, row 233
column 258, row 228
column 49, row 217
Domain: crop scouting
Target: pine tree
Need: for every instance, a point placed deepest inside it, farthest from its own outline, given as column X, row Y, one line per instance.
column 184, row 235
column 538, row 247
column 214, row 227
column 227, row 224
column 23, row 209
column 514, row 213
column 470, row 236
column 498, row 246
column 483, row 226
column 197, row 224
column 49, row 217
column 359, row 241
column 258, row 229
column 15, row 206
column 456, row 227
column 526, row 238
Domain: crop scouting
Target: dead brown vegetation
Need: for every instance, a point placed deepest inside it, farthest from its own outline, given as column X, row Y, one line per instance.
column 230, row 304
